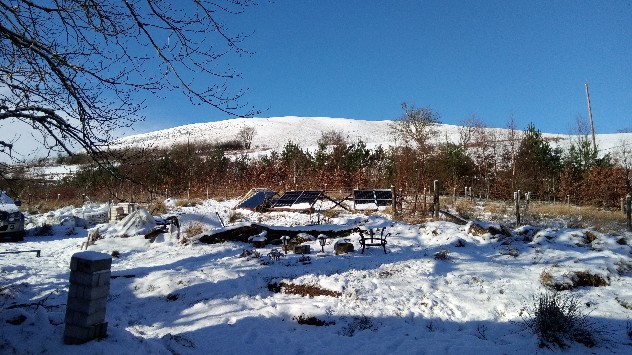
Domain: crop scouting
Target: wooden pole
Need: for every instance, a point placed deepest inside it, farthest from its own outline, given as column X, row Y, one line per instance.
column 435, row 200
column 517, row 201
column 628, row 211
column 592, row 126
column 393, row 201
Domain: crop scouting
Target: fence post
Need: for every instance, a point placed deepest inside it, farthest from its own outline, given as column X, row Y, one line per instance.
column 527, row 198
column 454, row 194
column 435, row 200
column 517, row 201
column 394, row 200
column 628, row 211
column 425, row 205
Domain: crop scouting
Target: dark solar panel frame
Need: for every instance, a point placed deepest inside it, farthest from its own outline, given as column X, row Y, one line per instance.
column 378, row 197
column 288, row 199
column 291, row 198
column 256, row 199
column 383, row 197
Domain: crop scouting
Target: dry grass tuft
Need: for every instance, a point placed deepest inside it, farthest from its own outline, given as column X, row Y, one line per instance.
column 584, row 278
column 156, row 208
column 572, row 280
column 546, row 279
column 557, row 318
column 581, row 217
column 191, row 230
column 305, row 320
column 188, row 202
column 442, row 255
column 301, row 290
column 464, row 207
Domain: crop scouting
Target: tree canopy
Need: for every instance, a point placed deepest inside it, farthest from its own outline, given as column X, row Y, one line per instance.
column 71, row 70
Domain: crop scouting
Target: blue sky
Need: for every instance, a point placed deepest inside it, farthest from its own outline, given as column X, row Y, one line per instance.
column 495, row 59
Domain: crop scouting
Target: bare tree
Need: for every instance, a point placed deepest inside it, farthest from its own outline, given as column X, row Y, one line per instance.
column 416, row 125
column 71, row 70
column 245, row 135
column 623, row 155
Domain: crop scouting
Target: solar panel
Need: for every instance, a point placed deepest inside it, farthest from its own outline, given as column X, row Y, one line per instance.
column 291, row 198
column 377, row 197
column 308, row 197
column 383, row 197
column 287, row 199
column 256, row 199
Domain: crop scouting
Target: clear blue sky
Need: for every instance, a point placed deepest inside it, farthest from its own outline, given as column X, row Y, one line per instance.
column 362, row 59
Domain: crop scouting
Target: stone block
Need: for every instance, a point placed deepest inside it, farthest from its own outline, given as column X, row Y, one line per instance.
column 90, row 261
column 83, row 319
column 86, row 306
column 75, row 335
column 99, row 278
column 88, row 292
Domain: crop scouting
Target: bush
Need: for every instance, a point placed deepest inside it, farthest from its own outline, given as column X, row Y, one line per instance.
column 442, row 255
column 157, row 207
column 191, row 230
column 557, row 318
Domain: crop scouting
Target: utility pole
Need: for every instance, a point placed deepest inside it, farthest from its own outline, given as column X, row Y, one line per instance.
column 592, row 126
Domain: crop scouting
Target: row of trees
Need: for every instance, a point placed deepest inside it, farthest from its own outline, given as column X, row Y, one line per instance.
column 493, row 162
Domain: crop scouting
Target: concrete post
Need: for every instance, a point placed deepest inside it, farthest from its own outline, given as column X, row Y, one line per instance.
column 87, row 295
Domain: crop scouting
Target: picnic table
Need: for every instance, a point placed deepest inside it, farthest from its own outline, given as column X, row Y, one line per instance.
column 372, row 237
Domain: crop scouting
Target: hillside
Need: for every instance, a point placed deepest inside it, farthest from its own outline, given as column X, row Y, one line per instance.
column 274, row 132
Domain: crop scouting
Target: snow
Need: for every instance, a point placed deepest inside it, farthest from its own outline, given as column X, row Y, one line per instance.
column 91, row 255
column 172, row 298
column 7, row 204
column 274, row 132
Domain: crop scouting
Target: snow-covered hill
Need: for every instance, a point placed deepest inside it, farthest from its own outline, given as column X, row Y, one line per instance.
column 274, row 132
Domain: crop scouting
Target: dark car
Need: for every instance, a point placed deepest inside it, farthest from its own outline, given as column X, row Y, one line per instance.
column 11, row 219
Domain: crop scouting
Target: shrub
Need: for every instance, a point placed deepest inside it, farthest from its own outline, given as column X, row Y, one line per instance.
column 191, row 230
column 302, row 290
column 157, row 208
column 442, row 255
column 305, row 320
column 358, row 324
column 464, row 208
column 557, row 318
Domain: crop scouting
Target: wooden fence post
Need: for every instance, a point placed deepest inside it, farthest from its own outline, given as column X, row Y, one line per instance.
column 454, row 194
column 527, row 198
column 425, row 205
column 517, row 201
column 435, row 200
column 394, row 200
column 628, row 211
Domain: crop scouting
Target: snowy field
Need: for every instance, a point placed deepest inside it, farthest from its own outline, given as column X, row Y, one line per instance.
column 440, row 289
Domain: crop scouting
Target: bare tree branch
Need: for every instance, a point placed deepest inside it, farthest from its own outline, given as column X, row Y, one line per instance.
column 73, row 70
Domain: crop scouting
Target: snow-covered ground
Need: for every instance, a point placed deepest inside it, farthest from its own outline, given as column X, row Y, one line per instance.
column 439, row 289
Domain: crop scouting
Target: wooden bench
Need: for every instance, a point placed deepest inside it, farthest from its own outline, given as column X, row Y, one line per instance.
column 373, row 237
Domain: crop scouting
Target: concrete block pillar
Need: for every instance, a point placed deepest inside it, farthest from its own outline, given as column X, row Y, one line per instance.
column 90, row 273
